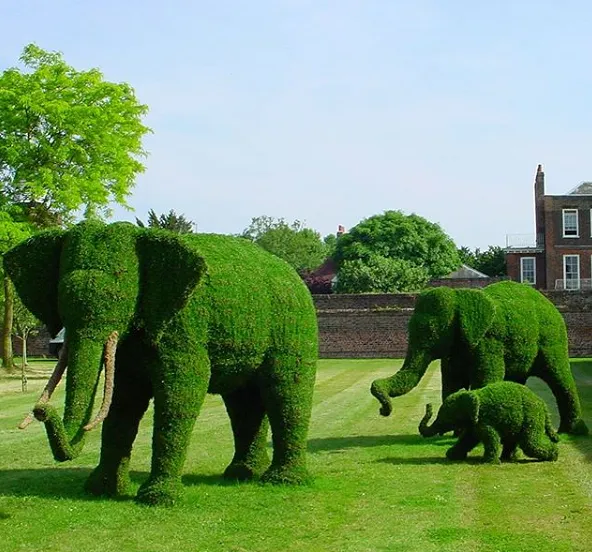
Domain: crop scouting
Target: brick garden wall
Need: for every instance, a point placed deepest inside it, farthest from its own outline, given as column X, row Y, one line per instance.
column 37, row 345
column 375, row 326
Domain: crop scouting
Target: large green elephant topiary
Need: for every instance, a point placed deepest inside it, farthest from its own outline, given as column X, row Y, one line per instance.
column 195, row 314
column 504, row 331
column 503, row 416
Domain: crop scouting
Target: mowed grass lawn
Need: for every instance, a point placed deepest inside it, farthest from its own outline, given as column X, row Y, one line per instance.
column 378, row 484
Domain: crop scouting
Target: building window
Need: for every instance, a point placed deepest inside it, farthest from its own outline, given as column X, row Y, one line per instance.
column 528, row 270
column 570, row 223
column 571, row 271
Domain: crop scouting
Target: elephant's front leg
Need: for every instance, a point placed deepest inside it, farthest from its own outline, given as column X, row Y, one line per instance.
column 491, row 443
column 287, row 389
column 453, row 378
column 180, row 385
column 467, row 441
column 250, row 428
column 130, row 400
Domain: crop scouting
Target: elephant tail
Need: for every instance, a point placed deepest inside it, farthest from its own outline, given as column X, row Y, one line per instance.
column 550, row 430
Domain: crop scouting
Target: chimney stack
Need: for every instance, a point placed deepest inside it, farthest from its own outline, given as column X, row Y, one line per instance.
column 539, row 206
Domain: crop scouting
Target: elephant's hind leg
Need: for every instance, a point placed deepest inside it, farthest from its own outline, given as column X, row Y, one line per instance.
column 554, row 369
column 509, row 451
column 250, row 428
column 538, row 445
column 287, row 385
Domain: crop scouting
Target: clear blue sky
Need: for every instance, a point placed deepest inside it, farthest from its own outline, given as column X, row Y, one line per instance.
column 332, row 111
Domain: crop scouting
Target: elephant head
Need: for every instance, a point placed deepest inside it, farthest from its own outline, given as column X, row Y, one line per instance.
column 97, row 281
column 459, row 410
column 443, row 319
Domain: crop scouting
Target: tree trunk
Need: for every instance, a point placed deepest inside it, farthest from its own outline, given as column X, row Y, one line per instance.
column 24, row 364
column 7, row 356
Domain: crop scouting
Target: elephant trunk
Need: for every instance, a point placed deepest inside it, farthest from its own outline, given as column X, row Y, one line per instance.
column 52, row 383
column 424, row 429
column 414, row 367
column 66, row 437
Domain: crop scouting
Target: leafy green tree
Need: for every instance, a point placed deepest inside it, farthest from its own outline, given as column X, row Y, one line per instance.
column 11, row 233
column 330, row 241
column 492, row 261
column 299, row 246
column 410, row 239
column 69, row 140
column 170, row 221
column 380, row 275
column 467, row 256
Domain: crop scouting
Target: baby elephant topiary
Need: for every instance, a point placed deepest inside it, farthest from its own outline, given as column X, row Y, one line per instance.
column 503, row 413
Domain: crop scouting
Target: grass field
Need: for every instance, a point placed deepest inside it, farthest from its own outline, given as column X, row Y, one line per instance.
column 378, row 485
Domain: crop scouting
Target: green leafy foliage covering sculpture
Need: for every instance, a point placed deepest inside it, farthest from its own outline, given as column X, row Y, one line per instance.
column 506, row 331
column 503, row 414
column 173, row 317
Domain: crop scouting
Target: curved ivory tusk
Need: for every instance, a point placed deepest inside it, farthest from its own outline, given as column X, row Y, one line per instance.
column 109, row 358
column 52, row 383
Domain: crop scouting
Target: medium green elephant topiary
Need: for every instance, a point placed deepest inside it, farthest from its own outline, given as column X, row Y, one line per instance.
column 500, row 414
column 506, row 331
column 175, row 317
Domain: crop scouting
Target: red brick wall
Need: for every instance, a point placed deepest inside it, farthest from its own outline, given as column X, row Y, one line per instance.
column 37, row 345
column 375, row 326
column 464, row 282
column 556, row 245
column 378, row 328
column 513, row 268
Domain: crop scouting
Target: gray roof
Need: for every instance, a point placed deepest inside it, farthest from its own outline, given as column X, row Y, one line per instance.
column 466, row 272
column 585, row 188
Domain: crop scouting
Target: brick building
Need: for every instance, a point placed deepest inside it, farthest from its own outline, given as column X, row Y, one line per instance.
column 559, row 255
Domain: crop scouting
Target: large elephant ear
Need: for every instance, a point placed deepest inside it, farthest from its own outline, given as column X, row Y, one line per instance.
column 475, row 314
column 34, row 268
column 169, row 272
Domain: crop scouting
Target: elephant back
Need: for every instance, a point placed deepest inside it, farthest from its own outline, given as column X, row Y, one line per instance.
column 525, row 318
column 255, row 300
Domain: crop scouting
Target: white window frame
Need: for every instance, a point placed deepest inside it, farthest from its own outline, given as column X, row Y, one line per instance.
column 591, row 223
column 533, row 259
column 566, row 212
column 565, row 280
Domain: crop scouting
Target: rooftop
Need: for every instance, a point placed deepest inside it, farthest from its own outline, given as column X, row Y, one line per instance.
column 585, row 188
column 466, row 272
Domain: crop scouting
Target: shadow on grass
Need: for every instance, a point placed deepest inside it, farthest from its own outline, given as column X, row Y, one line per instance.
column 69, row 483
column 471, row 460
column 54, row 483
column 215, row 479
column 45, row 483
column 362, row 441
column 421, row 461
